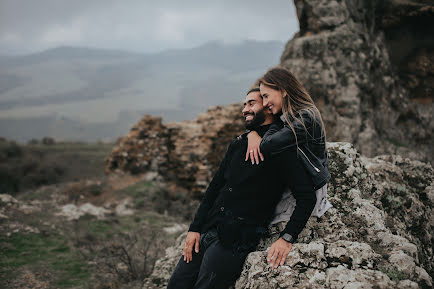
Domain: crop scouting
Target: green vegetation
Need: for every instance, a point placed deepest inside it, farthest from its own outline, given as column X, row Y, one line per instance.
column 82, row 253
column 393, row 274
column 138, row 190
column 24, row 167
column 117, row 251
column 37, row 252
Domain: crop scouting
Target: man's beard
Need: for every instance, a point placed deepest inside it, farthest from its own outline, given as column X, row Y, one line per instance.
column 258, row 119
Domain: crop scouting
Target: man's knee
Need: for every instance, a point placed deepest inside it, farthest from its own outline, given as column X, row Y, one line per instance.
column 185, row 274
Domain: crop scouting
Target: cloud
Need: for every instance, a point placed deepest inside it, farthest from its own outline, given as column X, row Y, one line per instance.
column 140, row 25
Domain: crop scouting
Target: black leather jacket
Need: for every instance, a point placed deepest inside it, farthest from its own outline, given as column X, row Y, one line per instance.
column 311, row 145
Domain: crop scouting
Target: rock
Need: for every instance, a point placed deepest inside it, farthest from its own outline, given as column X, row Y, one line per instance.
column 354, row 245
column 7, row 199
column 176, row 228
column 423, row 277
column 123, row 208
column 372, row 91
column 73, row 212
column 407, row 284
column 402, row 262
column 185, row 154
column 342, row 277
column 164, row 266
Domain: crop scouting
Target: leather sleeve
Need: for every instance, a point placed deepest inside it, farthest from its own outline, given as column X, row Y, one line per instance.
column 280, row 137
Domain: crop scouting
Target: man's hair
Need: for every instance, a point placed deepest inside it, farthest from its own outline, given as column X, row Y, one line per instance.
column 252, row 90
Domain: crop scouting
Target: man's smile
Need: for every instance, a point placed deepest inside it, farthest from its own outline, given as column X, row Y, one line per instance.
column 249, row 116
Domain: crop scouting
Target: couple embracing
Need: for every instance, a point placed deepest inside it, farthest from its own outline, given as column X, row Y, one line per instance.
column 283, row 148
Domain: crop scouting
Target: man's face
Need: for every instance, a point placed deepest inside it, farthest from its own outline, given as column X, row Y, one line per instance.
column 253, row 111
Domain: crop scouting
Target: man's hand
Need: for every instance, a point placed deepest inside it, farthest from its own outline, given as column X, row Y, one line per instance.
column 191, row 241
column 253, row 151
column 278, row 253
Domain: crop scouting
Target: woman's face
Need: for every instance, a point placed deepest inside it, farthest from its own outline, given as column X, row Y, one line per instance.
column 272, row 98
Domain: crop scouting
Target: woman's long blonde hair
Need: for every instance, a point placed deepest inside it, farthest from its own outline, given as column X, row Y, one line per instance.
column 296, row 99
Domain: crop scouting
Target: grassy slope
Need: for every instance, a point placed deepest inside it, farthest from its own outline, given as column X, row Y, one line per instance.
column 88, row 252
column 113, row 252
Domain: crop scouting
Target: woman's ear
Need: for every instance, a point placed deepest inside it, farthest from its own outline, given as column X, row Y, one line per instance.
column 284, row 93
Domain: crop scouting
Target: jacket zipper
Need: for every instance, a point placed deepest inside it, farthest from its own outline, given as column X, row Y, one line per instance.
column 316, row 169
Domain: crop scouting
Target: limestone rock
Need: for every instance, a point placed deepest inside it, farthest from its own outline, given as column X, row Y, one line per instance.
column 7, row 199
column 73, row 212
column 355, row 244
column 372, row 90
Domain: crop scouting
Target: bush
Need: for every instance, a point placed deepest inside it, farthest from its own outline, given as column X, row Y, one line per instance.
column 48, row 141
column 9, row 150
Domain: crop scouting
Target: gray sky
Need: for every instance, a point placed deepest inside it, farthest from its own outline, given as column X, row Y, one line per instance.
column 140, row 25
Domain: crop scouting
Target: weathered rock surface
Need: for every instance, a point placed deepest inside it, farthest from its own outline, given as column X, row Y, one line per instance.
column 369, row 65
column 377, row 235
column 184, row 154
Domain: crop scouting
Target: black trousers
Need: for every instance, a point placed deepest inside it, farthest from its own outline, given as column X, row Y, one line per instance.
column 213, row 267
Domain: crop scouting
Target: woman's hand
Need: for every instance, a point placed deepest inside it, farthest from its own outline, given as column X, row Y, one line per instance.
column 191, row 241
column 253, row 151
column 278, row 253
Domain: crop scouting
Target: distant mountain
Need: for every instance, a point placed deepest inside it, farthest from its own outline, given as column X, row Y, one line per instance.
column 89, row 85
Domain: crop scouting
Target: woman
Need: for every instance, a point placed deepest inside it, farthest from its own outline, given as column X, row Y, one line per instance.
column 298, row 132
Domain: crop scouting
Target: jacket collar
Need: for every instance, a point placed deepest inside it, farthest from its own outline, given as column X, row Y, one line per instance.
column 261, row 130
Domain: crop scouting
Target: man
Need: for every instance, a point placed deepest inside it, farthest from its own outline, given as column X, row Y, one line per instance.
column 237, row 207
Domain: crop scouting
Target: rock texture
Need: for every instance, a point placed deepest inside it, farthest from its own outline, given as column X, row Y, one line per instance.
column 369, row 66
column 183, row 154
column 377, row 235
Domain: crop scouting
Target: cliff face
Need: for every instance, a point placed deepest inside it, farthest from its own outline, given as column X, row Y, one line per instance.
column 369, row 65
column 377, row 235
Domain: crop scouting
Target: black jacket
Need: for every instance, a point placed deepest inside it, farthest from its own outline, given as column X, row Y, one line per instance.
column 311, row 147
column 241, row 198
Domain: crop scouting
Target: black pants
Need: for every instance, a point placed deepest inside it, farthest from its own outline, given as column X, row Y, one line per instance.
column 213, row 267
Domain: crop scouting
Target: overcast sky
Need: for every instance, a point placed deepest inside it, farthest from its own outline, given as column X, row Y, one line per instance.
column 140, row 25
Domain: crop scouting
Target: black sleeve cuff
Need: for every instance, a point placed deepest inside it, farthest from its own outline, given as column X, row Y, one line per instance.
column 194, row 228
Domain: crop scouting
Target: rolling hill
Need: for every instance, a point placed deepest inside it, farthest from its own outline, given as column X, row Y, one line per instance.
column 87, row 94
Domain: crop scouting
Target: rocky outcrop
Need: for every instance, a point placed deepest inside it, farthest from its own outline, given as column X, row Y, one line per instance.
column 377, row 235
column 369, row 67
column 184, row 154
column 367, row 64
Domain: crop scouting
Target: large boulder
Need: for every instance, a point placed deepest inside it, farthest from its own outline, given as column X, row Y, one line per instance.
column 377, row 235
column 369, row 65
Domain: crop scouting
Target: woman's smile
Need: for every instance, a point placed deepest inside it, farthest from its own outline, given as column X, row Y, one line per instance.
column 272, row 98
